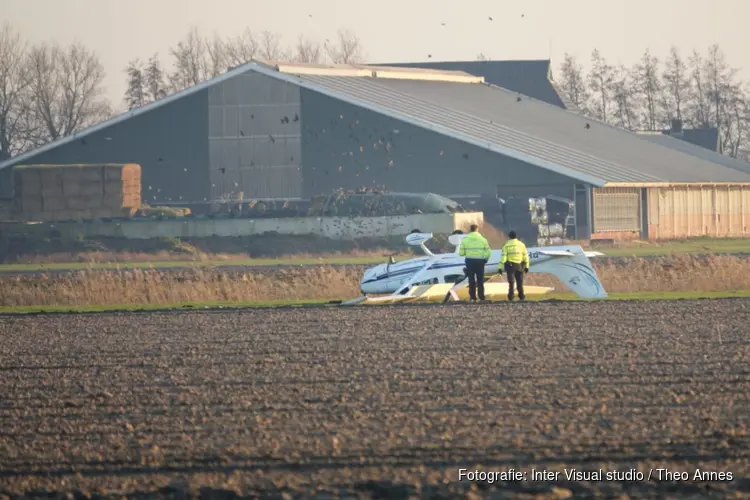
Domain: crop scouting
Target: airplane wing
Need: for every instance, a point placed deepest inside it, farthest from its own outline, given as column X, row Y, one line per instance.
column 556, row 253
column 594, row 254
column 565, row 253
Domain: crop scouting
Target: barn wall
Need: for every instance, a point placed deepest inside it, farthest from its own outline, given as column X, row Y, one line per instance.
column 617, row 213
column 169, row 143
column 346, row 146
column 254, row 138
column 695, row 211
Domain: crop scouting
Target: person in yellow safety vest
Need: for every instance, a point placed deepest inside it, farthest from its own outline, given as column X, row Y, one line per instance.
column 515, row 262
column 476, row 250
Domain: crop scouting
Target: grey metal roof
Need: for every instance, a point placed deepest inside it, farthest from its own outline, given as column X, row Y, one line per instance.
column 698, row 151
column 537, row 129
column 527, row 77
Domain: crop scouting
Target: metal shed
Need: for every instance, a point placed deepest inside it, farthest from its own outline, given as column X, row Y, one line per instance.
column 660, row 211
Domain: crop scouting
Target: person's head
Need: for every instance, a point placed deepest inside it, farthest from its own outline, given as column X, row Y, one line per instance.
column 473, row 228
column 512, row 235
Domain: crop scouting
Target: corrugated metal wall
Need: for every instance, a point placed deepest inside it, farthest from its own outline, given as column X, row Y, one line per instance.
column 617, row 210
column 346, row 146
column 169, row 143
column 692, row 211
column 254, row 138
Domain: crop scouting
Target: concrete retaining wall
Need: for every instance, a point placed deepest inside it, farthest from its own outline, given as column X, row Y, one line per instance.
column 342, row 228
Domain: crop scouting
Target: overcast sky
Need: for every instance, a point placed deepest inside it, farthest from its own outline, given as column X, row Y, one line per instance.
column 398, row 30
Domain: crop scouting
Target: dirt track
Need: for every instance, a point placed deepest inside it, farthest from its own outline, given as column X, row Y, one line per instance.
column 378, row 401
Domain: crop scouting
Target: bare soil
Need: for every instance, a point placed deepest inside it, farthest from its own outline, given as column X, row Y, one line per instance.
column 377, row 402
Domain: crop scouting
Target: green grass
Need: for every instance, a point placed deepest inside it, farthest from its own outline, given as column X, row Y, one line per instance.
column 74, row 266
column 693, row 246
column 102, row 308
column 185, row 306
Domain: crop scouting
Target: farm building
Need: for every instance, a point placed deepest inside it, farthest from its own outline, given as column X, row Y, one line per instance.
column 533, row 78
column 295, row 131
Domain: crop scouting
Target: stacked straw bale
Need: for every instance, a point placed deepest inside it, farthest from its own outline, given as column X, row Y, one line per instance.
column 76, row 192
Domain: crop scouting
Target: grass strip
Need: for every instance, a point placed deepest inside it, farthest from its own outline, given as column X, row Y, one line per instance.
column 189, row 306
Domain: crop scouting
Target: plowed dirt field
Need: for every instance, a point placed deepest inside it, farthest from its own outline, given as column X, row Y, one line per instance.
column 379, row 401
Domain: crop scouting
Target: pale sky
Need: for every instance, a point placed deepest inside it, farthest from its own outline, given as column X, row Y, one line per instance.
column 398, row 30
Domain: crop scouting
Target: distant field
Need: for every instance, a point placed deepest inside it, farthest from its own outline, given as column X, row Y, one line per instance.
column 697, row 246
column 166, row 264
column 356, row 257
column 684, row 275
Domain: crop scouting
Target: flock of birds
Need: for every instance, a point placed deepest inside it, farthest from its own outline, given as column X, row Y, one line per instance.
column 386, row 141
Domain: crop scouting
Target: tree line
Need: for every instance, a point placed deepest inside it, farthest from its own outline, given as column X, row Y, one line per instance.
column 197, row 58
column 701, row 89
column 48, row 90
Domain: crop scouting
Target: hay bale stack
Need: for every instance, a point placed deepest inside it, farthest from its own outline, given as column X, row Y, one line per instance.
column 76, row 192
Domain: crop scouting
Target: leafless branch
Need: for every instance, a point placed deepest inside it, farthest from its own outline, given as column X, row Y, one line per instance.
column 15, row 83
column 308, row 51
column 346, row 50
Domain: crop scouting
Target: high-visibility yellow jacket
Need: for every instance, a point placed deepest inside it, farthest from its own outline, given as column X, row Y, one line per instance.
column 474, row 246
column 515, row 252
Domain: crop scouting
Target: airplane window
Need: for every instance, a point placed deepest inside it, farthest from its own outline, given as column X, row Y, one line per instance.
column 452, row 278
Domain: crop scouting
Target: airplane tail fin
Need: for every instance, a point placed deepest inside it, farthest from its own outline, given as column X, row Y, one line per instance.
column 571, row 265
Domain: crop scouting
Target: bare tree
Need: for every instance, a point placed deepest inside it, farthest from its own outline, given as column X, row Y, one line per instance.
column 270, row 47
column 153, row 77
column 242, row 48
column 216, row 57
column 308, row 51
column 647, row 84
column 675, row 85
column 723, row 93
column 700, row 105
column 573, row 82
column 625, row 100
column 135, row 94
column 190, row 61
column 736, row 118
column 601, row 79
column 15, row 83
column 66, row 90
column 347, row 50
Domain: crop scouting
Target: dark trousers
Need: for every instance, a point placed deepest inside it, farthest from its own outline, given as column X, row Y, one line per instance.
column 514, row 272
column 475, row 273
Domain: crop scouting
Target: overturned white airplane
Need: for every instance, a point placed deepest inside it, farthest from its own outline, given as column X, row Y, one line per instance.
column 440, row 277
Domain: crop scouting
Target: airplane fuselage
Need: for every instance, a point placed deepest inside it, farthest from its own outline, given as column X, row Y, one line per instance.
column 440, row 268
